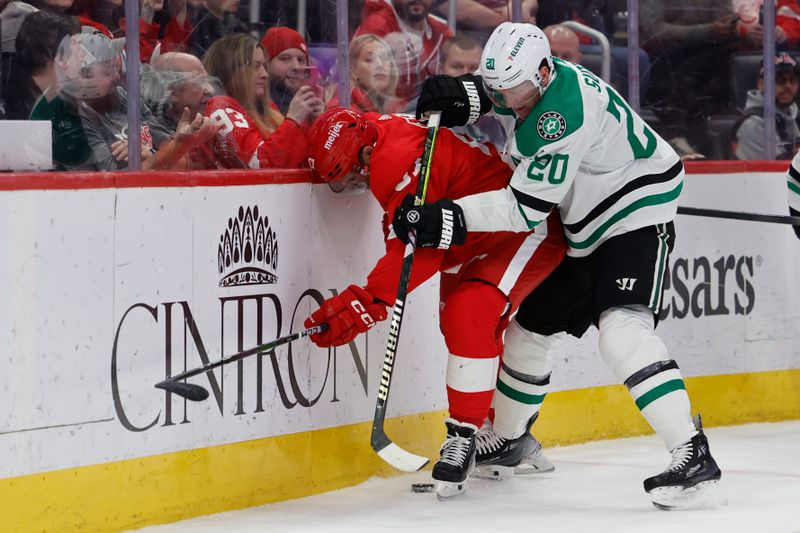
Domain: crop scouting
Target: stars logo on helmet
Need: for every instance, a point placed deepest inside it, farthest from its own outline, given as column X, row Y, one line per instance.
column 551, row 126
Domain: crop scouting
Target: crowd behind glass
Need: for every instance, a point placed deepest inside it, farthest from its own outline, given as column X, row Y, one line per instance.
column 225, row 84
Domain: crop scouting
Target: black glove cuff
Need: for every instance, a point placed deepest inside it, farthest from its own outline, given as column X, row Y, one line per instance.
column 479, row 103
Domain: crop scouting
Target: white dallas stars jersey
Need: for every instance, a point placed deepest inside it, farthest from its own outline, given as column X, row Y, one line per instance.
column 584, row 150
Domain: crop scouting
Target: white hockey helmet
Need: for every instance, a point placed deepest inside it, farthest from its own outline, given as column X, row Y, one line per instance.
column 513, row 55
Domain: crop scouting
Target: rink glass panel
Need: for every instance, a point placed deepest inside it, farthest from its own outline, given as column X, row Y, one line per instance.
column 695, row 63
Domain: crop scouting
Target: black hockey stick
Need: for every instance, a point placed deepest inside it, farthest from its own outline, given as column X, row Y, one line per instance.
column 736, row 215
column 196, row 393
column 380, row 441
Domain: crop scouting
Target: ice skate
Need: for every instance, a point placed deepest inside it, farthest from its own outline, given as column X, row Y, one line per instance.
column 498, row 458
column 691, row 480
column 456, row 461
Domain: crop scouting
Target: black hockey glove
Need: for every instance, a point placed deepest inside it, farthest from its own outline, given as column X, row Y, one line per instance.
column 461, row 100
column 437, row 225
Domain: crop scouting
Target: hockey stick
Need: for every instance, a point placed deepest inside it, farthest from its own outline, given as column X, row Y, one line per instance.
column 735, row 215
column 196, row 393
column 380, row 441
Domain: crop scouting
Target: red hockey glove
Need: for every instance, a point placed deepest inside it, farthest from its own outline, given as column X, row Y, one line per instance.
column 352, row 312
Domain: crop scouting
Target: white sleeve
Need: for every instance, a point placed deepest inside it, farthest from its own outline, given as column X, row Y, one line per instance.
column 492, row 211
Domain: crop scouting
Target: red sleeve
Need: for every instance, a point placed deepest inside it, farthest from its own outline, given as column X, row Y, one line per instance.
column 148, row 39
column 86, row 21
column 239, row 143
column 377, row 18
column 383, row 280
column 287, row 147
column 788, row 19
column 176, row 37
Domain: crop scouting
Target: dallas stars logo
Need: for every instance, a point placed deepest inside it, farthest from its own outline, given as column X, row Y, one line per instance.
column 551, row 126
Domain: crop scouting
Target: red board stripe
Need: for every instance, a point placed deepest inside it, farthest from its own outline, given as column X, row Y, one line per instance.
column 106, row 180
column 23, row 181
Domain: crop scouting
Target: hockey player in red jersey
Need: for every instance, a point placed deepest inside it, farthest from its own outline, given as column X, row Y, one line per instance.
column 483, row 281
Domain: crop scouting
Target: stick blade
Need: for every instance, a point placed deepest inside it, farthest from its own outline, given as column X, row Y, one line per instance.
column 401, row 459
column 195, row 393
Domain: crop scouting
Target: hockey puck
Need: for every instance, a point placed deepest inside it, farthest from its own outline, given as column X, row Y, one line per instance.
column 422, row 487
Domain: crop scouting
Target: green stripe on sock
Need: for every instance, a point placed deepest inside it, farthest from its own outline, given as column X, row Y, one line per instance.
column 521, row 397
column 653, row 395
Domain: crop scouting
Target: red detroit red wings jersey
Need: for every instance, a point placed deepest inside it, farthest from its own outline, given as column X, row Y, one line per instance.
column 239, row 143
column 460, row 167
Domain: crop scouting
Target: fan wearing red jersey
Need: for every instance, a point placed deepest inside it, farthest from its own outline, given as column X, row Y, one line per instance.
column 483, row 280
column 252, row 133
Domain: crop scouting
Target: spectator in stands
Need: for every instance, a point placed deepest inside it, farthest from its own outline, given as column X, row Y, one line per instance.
column 461, row 55
column 11, row 16
column 751, row 132
column 478, row 18
column 153, row 39
column 415, row 36
column 787, row 21
column 689, row 42
column 288, row 67
column 373, row 76
column 19, row 88
column 252, row 133
column 90, row 106
column 176, row 81
column 56, row 6
column 214, row 21
column 103, row 15
column 564, row 43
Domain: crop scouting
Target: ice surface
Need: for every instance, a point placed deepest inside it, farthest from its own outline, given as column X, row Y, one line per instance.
column 596, row 487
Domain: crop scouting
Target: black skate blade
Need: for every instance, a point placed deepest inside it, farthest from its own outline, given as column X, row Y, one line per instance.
column 493, row 472
column 704, row 495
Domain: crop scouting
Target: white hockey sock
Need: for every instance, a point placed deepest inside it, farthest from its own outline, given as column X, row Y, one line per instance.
column 516, row 399
column 663, row 401
column 638, row 357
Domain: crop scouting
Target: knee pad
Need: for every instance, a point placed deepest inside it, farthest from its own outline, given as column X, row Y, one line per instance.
column 628, row 342
column 528, row 352
column 470, row 319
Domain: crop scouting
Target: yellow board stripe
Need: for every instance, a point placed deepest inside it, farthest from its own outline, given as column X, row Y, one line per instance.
column 169, row 487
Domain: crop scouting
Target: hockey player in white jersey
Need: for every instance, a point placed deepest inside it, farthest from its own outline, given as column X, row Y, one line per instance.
column 577, row 146
column 793, row 183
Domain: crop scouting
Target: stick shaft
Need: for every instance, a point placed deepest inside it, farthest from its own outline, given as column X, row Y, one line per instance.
column 736, row 215
column 379, row 438
column 319, row 328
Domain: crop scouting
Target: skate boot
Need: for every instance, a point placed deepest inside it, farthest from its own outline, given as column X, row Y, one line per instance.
column 457, row 459
column 691, row 479
column 499, row 458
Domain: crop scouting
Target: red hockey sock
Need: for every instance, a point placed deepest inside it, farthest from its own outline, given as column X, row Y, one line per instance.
column 469, row 321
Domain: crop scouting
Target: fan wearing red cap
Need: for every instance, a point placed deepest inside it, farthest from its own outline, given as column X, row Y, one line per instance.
column 288, row 64
column 482, row 281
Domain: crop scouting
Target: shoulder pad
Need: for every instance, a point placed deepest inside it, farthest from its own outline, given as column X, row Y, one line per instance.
column 558, row 115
